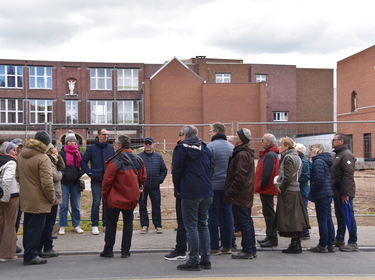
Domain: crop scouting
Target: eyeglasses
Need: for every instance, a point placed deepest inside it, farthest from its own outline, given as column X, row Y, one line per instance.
column 105, row 134
column 180, row 134
column 333, row 140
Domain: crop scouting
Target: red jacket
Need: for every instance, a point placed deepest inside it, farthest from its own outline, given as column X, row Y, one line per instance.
column 267, row 169
column 120, row 187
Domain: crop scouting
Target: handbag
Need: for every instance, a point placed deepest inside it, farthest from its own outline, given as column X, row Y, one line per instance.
column 82, row 185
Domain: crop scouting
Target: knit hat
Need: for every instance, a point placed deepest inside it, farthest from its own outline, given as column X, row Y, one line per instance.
column 43, row 137
column 70, row 136
column 242, row 136
column 50, row 146
column 300, row 148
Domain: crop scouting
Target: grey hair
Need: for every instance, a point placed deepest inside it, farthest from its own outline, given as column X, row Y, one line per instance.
column 219, row 127
column 189, row 130
column 124, row 141
column 4, row 146
column 270, row 137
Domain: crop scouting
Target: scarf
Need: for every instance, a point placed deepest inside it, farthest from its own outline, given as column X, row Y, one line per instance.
column 71, row 154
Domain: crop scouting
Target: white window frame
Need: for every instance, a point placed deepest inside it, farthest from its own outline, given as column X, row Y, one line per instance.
column 101, row 111
column 223, row 78
column 260, row 78
column 11, row 111
column 71, row 111
column 280, row 116
column 5, row 76
column 40, row 113
column 128, row 79
column 128, row 111
column 40, row 77
column 101, row 79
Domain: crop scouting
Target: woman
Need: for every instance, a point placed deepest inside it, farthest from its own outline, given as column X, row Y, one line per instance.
column 70, row 183
column 9, row 203
column 321, row 193
column 291, row 216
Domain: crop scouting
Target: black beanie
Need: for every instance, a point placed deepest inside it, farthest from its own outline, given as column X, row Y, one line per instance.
column 242, row 136
column 43, row 137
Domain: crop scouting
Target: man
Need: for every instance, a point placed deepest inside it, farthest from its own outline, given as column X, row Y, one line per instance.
column 156, row 173
column 239, row 191
column 267, row 169
column 221, row 150
column 343, row 187
column 191, row 171
column 37, row 194
column 97, row 154
column 121, row 189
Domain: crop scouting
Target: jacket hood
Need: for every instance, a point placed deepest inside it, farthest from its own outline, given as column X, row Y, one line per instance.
column 326, row 157
column 195, row 146
column 33, row 147
column 101, row 145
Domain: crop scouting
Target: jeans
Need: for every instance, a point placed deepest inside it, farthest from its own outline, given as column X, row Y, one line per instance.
column 220, row 211
column 268, row 209
column 74, row 194
column 112, row 215
column 181, row 238
column 155, row 198
column 341, row 224
column 242, row 217
column 96, row 189
column 33, row 226
column 324, row 216
column 305, row 203
column 194, row 212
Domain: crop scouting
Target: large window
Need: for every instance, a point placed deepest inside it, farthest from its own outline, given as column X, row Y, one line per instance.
column 11, row 76
column 280, row 116
column 40, row 111
column 128, row 111
column 222, row 78
column 41, row 77
column 71, row 111
column 101, row 78
column 127, row 79
column 261, row 78
column 11, row 111
column 101, row 112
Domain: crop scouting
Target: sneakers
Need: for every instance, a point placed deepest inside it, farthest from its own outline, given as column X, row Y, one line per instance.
column 125, row 254
column 95, row 230
column 331, row 249
column 339, row 243
column 243, row 256
column 319, row 249
column 107, row 254
column 34, row 261
column 215, row 252
column 189, row 267
column 205, row 265
column 49, row 254
column 144, row 230
column 306, row 236
column 159, row 230
column 78, row 229
column 224, row 250
column 62, row 231
column 351, row 247
column 175, row 256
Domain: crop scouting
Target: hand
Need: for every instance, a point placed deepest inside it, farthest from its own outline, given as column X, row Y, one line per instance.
column 345, row 199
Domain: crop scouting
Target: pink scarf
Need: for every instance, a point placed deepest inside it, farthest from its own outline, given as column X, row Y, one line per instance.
column 71, row 153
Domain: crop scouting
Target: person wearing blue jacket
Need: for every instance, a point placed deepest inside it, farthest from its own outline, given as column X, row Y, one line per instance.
column 191, row 173
column 321, row 193
column 156, row 173
column 97, row 154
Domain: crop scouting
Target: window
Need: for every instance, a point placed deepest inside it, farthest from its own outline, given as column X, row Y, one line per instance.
column 261, row 78
column 280, row 116
column 127, row 79
column 40, row 111
column 101, row 112
column 101, row 78
column 71, row 111
column 223, row 78
column 354, row 101
column 11, row 111
column 11, row 76
column 128, row 111
column 41, row 77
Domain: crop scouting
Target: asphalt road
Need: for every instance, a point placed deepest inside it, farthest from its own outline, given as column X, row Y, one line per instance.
column 269, row 264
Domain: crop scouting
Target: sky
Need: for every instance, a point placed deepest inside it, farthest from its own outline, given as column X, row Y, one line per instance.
column 308, row 34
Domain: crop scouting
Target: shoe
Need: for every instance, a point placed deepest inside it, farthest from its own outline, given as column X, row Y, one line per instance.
column 306, row 236
column 144, row 230
column 319, row 249
column 215, row 252
column 339, row 243
column 33, row 261
column 189, row 267
column 205, row 265
column 294, row 247
column 62, row 231
column 331, row 249
column 9, row 259
column 263, row 240
column 224, row 250
column 243, row 256
column 175, row 256
column 49, row 254
column 78, row 229
column 107, row 254
column 125, row 254
column 159, row 230
column 351, row 247
column 54, row 237
column 269, row 243
column 18, row 250
column 237, row 233
column 95, row 230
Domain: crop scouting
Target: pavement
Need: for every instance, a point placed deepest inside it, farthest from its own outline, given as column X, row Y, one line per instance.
column 86, row 243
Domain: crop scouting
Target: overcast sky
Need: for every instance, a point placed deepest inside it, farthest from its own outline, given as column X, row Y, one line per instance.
column 311, row 34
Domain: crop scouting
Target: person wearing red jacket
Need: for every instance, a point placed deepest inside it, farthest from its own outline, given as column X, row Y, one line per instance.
column 267, row 169
column 120, row 192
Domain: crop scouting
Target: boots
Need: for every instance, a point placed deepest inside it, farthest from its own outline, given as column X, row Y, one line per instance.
column 294, row 247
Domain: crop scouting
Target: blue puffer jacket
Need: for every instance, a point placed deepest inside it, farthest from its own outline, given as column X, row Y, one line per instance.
column 305, row 176
column 156, row 169
column 191, row 169
column 96, row 154
column 320, row 178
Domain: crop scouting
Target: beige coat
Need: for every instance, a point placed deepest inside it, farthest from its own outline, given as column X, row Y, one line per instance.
column 57, row 176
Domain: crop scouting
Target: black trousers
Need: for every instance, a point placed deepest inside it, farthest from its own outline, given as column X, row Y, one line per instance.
column 269, row 216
